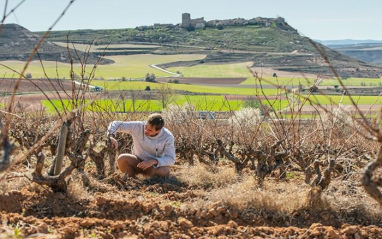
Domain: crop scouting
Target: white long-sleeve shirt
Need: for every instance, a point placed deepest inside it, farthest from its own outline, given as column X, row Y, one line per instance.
column 160, row 147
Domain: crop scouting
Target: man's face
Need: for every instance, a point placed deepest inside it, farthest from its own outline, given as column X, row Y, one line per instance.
column 150, row 130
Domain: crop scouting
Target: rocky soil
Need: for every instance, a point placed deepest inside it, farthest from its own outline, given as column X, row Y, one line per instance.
column 175, row 208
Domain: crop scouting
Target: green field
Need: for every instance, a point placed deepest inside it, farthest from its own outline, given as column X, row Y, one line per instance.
column 215, row 71
column 137, row 66
column 201, row 103
column 335, row 99
column 141, row 85
column 132, row 66
column 100, row 48
column 212, row 103
column 353, row 82
column 238, row 70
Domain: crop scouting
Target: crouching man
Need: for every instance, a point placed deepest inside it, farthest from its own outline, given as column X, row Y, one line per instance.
column 153, row 150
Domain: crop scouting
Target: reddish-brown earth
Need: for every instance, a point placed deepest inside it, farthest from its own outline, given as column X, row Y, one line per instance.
column 34, row 85
column 143, row 208
column 30, row 92
column 31, row 102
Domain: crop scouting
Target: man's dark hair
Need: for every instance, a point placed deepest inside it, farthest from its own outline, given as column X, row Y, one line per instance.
column 156, row 120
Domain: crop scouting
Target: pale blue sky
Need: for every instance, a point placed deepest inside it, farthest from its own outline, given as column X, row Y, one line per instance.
column 322, row 20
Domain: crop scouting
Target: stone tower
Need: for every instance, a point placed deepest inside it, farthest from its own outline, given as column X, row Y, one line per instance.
column 186, row 20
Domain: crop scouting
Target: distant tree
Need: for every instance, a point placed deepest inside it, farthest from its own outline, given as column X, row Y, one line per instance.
column 150, row 78
column 166, row 94
column 134, row 96
column 153, row 77
column 219, row 26
column 122, row 97
column 28, row 76
column 274, row 75
column 148, row 88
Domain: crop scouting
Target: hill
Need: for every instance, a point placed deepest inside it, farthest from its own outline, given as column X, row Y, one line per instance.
column 278, row 46
column 17, row 43
column 367, row 52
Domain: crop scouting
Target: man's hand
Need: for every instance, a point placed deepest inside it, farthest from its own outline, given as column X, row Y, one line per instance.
column 114, row 142
column 147, row 164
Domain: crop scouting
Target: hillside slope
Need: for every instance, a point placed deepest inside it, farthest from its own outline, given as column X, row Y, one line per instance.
column 367, row 52
column 17, row 43
column 278, row 46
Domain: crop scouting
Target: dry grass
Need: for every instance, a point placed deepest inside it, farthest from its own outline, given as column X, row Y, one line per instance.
column 14, row 181
column 207, row 176
column 242, row 192
column 277, row 196
column 349, row 196
column 77, row 190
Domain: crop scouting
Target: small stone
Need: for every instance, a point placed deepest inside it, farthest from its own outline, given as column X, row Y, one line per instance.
column 232, row 224
column 87, row 223
column 212, row 213
column 167, row 210
column 357, row 236
column 331, row 233
column 184, row 223
column 216, row 230
column 315, row 225
column 164, row 226
column 351, row 230
column 315, row 232
column 235, row 214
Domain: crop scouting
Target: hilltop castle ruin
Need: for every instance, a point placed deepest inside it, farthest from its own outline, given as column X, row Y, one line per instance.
column 199, row 23
column 189, row 23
